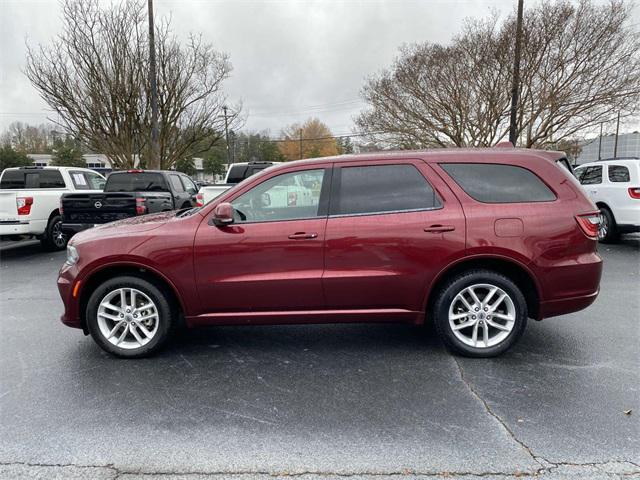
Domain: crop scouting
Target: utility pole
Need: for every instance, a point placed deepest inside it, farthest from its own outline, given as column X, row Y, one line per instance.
column 155, row 129
column 300, row 143
column 226, row 134
column 515, row 84
column 615, row 144
column 600, row 143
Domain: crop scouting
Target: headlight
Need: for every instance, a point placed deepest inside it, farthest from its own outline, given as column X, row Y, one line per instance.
column 72, row 255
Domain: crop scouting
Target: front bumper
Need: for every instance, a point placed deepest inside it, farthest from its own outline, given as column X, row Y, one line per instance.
column 67, row 280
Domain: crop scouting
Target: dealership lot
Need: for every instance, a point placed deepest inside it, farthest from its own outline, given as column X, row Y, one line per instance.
column 338, row 400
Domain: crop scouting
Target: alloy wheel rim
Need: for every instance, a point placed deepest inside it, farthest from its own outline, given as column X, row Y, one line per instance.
column 128, row 318
column 482, row 315
column 59, row 238
column 603, row 227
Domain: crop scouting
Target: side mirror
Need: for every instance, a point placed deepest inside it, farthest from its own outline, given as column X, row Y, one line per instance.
column 223, row 215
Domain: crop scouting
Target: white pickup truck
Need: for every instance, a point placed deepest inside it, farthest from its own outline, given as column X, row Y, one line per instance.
column 236, row 173
column 30, row 201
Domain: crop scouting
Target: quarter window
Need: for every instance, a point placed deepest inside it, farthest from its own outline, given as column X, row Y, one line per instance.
column 496, row 183
column 592, row 175
column 289, row 196
column 618, row 173
column 382, row 188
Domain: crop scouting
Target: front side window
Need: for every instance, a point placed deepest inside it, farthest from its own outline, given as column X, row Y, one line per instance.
column 189, row 186
column 176, row 183
column 382, row 188
column 499, row 183
column 289, row 196
column 96, row 182
column 618, row 173
column 592, row 175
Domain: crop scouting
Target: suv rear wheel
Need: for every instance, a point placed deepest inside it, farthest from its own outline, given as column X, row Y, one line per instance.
column 480, row 313
column 129, row 317
column 607, row 230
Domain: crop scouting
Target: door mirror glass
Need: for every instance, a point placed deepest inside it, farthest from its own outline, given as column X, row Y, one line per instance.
column 223, row 214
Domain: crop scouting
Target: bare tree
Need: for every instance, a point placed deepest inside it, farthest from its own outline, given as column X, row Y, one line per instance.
column 95, row 76
column 580, row 63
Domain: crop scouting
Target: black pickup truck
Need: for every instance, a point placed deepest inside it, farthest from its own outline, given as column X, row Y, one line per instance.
column 128, row 194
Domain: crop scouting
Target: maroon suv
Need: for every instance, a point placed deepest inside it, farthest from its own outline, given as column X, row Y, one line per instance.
column 477, row 241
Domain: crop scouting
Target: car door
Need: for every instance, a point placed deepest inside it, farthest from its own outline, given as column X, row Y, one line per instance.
column 271, row 258
column 191, row 189
column 392, row 227
column 181, row 197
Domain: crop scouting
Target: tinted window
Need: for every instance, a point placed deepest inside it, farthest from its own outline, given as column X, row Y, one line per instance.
column 494, row 183
column 237, row 173
column 177, row 184
column 288, row 196
column 591, row 175
column 382, row 188
column 189, row 186
column 12, row 179
column 135, row 182
column 579, row 172
column 618, row 173
column 32, row 179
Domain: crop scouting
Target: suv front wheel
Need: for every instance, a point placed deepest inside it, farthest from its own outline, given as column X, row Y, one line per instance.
column 129, row 317
column 480, row 313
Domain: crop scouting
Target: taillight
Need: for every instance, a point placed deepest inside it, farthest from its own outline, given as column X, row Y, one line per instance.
column 589, row 223
column 60, row 207
column 141, row 208
column 199, row 200
column 292, row 199
column 24, row 205
column 634, row 192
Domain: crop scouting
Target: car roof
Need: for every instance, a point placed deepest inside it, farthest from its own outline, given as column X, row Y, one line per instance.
column 442, row 154
column 48, row 167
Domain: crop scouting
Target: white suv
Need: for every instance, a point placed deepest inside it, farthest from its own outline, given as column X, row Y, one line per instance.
column 30, row 200
column 614, row 186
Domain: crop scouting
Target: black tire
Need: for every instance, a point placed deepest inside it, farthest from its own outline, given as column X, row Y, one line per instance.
column 166, row 315
column 608, row 231
column 456, row 285
column 54, row 238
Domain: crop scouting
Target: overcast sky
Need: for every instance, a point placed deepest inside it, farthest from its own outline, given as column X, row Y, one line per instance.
column 291, row 59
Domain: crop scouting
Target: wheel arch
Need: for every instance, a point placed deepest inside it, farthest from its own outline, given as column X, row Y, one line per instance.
column 513, row 269
column 102, row 274
column 54, row 213
column 601, row 204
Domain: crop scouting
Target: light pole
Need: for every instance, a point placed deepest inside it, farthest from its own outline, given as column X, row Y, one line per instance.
column 226, row 134
column 515, row 84
column 155, row 129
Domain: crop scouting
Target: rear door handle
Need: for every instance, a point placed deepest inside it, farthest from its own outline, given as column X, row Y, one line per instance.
column 439, row 228
column 302, row 235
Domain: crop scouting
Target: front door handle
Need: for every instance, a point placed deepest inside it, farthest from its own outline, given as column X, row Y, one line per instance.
column 302, row 235
column 439, row 228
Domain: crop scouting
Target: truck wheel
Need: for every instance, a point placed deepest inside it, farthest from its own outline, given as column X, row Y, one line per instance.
column 607, row 231
column 129, row 317
column 54, row 238
column 480, row 313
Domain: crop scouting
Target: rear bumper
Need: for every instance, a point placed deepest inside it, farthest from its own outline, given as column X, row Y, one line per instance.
column 564, row 306
column 73, row 228
column 23, row 227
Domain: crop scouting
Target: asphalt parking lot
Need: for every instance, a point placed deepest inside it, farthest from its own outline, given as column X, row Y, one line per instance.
column 355, row 401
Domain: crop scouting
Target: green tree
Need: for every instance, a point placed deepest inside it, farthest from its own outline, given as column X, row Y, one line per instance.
column 186, row 165
column 66, row 155
column 345, row 145
column 11, row 158
column 214, row 162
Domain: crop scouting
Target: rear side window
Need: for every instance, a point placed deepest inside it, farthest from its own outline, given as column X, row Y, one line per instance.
column 591, row 175
column 32, row 179
column 237, row 173
column 382, row 188
column 618, row 173
column 496, row 183
column 135, row 182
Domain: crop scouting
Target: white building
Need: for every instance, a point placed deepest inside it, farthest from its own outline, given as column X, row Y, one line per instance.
column 628, row 146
